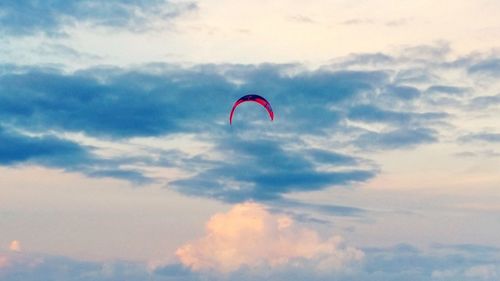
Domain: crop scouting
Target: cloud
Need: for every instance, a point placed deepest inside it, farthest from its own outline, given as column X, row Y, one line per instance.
column 370, row 113
column 331, row 259
column 369, row 21
column 253, row 159
column 399, row 138
column 469, row 248
column 248, row 161
column 483, row 102
column 249, row 236
column 159, row 100
column 263, row 170
column 329, row 209
column 63, row 51
column 329, row 157
column 398, row 22
column 81, row 103
column 360, row 21
column 17, row 148
column 489, row 67
column 483, row 272
column 405, row 262
column 427, row 53
column 52, row 151
column 484, row 137
column 15, row 246
column 360, row 60
column 403, row 92
column 50, row 17
column 302, row 19
column 34, row 267
column 4, row 261
column 447, row 90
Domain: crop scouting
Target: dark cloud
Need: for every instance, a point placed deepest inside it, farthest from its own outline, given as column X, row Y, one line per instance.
column 119, row 104
column 16, row 148
column 328, row 209
column 329, row 157
column 262, row 160
column 128, row 104
column 442, row 89
column 27, row 17
column 128, row 175
column 403, row 92
column 490, row 67
column 262, row 170
column 52, row 151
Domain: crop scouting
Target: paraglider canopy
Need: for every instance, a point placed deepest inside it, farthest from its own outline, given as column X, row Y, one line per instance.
column 255, row 98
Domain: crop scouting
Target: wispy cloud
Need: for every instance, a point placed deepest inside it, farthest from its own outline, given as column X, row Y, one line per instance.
column 302, row 19
column 371, row 21
column 358, row 21
column 447, row 90
column 51, row 17
column 397, row 139
column 485, row 137
column 483, row 102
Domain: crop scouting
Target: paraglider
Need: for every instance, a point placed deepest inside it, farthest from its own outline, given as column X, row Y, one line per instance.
column 255, row 98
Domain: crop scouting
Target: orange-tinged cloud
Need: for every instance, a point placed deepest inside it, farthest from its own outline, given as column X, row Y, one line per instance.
column 15, row 246
column 249, row 235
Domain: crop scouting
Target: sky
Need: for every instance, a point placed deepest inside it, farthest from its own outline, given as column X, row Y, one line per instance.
column 118, row 162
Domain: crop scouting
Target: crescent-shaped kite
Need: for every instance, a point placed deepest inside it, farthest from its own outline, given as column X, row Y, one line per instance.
column 255, row 98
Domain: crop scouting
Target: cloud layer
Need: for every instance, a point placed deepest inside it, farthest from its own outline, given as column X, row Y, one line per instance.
column 323, row 116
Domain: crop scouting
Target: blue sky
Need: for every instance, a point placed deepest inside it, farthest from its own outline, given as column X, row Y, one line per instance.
column 117, row 160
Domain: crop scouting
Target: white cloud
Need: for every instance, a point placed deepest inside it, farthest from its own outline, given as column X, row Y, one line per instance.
column 250, row 236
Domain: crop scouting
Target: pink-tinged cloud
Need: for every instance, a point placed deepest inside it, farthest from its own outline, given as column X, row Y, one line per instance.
column 15, row 246
column 248, row 235
column 4, row 261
